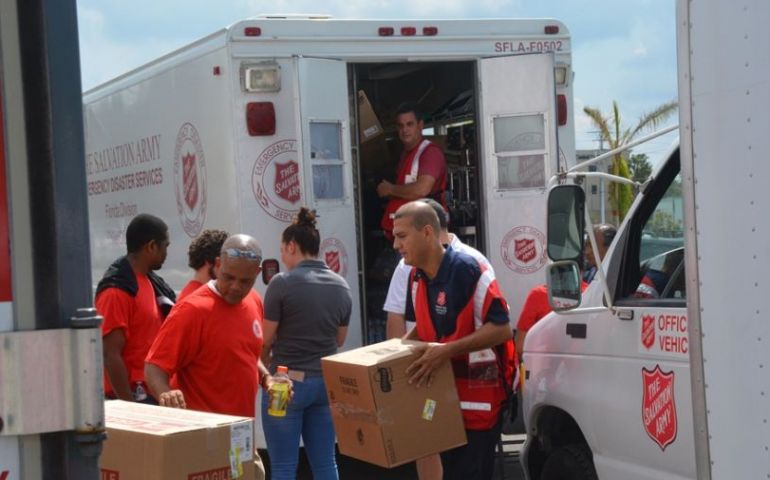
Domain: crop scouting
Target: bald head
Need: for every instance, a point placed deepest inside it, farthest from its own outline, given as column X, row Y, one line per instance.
column 237, row 267
column 420, row 214
column 242, row 246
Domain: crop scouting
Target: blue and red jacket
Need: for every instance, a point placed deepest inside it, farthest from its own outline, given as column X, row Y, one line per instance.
column 454, row 304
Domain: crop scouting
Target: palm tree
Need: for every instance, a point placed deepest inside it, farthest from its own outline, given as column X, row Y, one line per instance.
column 610, row 131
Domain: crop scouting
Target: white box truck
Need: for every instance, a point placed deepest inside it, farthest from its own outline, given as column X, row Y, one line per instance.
column 668, row 380
column 241, row 128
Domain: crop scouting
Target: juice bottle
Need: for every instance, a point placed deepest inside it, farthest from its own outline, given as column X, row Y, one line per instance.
column 278, row 393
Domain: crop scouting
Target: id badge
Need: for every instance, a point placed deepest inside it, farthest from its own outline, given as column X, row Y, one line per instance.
column 483, row 371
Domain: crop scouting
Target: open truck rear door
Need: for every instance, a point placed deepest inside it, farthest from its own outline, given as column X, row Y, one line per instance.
column 322, row 103
column 519, row 149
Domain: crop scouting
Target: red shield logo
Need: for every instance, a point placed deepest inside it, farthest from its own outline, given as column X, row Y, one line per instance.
column 441, row 299
column 190, row 180
column 525, row 250
column 333, row 260
column 648, row 331
column 658, row 406
column 287, row 181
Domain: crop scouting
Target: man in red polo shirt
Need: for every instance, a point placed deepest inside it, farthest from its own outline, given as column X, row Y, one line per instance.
column 421, row 172
column 212, row 340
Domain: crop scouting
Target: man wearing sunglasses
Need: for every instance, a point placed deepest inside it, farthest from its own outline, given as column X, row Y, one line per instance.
column 212, row 340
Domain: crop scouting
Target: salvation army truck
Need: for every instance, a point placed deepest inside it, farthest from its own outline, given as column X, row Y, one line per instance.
column 243, row 127
column 659, row 369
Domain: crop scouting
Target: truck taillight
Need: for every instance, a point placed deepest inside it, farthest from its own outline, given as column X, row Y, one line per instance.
column 270, row 268
column 561, row 109
column 430, row 31
column 385, row 31
column 252, row 31
column 260, row 118
column 551, row 29
column 408, row 31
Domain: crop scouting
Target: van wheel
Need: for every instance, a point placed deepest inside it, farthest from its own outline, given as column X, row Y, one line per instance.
column 570, row 462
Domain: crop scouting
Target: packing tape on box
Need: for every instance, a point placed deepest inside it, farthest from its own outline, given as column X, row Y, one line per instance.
column 356, row 413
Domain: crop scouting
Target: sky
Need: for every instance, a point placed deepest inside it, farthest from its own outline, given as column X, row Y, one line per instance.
column 623, row 50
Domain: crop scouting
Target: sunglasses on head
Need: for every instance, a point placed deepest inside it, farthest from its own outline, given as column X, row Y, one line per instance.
column 247, row 254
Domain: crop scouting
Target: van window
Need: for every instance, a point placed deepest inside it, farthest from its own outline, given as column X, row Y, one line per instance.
column 661, row 249
column 520, row 151
column 326, row 158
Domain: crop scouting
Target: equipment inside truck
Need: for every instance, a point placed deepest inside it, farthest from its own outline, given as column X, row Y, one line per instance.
column 444, row 93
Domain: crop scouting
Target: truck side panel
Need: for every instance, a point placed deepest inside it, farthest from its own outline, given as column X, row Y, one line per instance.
column 724, row 82
column 162, row 145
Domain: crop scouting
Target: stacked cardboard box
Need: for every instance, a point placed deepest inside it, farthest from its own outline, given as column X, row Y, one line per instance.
column 148, row 443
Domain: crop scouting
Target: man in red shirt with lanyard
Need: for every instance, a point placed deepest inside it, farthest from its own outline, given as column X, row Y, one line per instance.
column 421, row 171
column 456, row 302
column 133, row 300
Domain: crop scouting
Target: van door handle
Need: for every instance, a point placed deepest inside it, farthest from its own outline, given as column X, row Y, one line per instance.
column 577, row 330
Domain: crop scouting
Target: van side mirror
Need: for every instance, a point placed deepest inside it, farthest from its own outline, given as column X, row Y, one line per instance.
column 566, row 222
column 564, row 284
column 270, row 268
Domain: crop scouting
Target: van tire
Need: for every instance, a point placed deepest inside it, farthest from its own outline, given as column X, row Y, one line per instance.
column 570, row 462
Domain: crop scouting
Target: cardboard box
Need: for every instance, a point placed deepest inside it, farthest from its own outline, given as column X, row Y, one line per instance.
column 369, row 126
column 379, row 417
column 145, row 442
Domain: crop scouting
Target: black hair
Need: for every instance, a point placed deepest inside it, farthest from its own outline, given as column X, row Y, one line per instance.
column 205, row 248
column 441, row 213
column 420, row 216
column 608, row 233
column 143, row 229
column 409, row 107
column 303, row 232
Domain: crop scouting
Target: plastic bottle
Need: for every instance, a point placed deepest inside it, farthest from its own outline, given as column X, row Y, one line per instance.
column 139, row 393
column 278, row 393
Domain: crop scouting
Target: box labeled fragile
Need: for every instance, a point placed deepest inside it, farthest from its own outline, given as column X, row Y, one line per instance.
column 146, row 442
column 379, row 417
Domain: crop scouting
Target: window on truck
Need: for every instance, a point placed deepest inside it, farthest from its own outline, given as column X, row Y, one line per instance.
column 520, row 151
column 652, row 270
column 327, row 162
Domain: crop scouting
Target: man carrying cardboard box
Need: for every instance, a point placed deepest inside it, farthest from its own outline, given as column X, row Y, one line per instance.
column 456, row 302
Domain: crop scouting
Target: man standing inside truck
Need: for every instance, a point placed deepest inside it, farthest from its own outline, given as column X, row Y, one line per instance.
column 456, row 302
column 132, row 299
column 421, row 171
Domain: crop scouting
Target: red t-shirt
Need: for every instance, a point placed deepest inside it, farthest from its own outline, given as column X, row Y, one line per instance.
column 191, row 286
column 140, row 320
column 432, row 162
column 213, row 348
column 536, row 306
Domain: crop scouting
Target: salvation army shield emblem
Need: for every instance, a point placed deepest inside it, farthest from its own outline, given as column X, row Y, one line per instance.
column 190, row 180
column 287, row 181
column 658, row 406
column 524, row 249
column 648, row 331
column 441, row 298
column 332, row 258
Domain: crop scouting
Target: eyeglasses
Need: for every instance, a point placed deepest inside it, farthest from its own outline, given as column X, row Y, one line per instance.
column 247, row 254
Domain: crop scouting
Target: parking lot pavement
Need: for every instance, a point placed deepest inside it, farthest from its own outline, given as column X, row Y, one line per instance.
column 507, row 465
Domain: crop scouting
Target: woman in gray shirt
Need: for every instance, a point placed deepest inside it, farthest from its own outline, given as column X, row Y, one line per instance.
column 307, row 310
